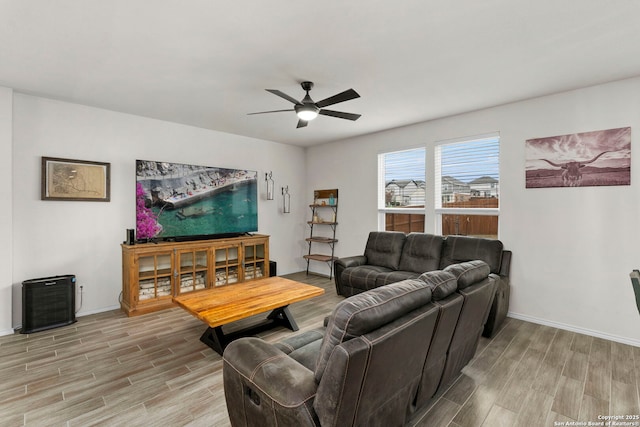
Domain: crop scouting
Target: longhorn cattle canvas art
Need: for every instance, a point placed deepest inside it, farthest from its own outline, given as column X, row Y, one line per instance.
column 579, row 159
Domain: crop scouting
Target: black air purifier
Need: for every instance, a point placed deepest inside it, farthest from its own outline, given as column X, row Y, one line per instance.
column 47, row 303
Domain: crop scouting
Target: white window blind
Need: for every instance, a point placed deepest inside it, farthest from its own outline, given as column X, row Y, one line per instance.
column 467, row 173
column 401, row 179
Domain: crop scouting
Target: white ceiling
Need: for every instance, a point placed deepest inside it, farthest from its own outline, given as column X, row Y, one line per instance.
column 206, row 63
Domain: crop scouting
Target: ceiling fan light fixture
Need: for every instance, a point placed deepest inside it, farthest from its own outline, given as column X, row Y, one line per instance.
column 306, row 112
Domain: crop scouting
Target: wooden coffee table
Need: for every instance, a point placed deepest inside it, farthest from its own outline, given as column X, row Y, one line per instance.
column 225, row 304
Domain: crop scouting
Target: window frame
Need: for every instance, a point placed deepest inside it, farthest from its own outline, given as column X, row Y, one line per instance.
column 438, row 210
column 433, row 212
column 382, row 208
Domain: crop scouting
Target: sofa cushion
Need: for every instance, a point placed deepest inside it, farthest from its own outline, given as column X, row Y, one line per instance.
column 384, row 248
column 468, row 273
column 363, row 276
column 393, row 277
column 459, row 249
column 307, row 355
column 421, row 252
column 303, row 347
column 362, row 313
column 442, row 283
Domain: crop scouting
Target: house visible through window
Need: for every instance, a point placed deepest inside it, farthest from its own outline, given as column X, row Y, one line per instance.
column 401, row 190
column 467, row 187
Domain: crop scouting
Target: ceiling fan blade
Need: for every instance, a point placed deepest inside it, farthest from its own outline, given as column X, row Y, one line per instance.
column 340, row 114
column 341, row 97
column 301, row 124
column 283, row 95
column 273, row 111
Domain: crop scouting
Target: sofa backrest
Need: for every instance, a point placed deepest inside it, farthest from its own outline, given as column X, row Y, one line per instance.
column 372, row 355
column 384, row 248
column 477, row 287
column 444, row 286
column 367, row 311
column 468, row 273
column 421, row 252
column 457, row 249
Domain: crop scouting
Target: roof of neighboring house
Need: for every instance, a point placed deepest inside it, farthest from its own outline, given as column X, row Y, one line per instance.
column 404, row 182
column 484, row 180
column 451, row 180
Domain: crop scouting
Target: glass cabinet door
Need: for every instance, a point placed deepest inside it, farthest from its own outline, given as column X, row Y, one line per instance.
column 254, row 261
column 227, row 265
column 154, row 277
column 192, row 271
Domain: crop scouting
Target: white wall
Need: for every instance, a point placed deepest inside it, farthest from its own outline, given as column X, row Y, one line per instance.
column 6, row 106
column 83, row 238
column 573, row 248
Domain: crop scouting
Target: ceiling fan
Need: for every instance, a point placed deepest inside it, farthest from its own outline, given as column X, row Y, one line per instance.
column 307, row 110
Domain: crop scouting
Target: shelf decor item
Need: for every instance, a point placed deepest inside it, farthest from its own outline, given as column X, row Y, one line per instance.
column 77, row 180
column 268, row 177
column 286, row 200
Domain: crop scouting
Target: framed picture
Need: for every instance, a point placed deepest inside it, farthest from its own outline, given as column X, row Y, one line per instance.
column 580, row 159
column 81, row 180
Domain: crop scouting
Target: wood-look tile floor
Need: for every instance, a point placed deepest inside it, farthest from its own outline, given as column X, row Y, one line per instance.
column 109, row 369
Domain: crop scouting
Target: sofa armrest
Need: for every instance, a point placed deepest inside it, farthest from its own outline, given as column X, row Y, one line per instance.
column 352, row 261
column 303, row 347
column 505, row 264
column 264, row 386
column 341, row 264
column 500, row 305
column 295, row 342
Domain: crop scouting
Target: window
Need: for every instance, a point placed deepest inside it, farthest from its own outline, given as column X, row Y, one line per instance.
column 467, row 186
column 466, row 177
column 402, row 190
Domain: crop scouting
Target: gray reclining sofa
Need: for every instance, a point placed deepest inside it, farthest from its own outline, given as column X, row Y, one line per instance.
column 392, row 256
column 382, row 356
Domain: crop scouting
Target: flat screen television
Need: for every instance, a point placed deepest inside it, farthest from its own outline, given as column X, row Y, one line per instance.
column 176, row 201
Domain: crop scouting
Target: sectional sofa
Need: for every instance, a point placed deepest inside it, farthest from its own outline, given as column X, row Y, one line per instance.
column 384, row 355
column 392, row 256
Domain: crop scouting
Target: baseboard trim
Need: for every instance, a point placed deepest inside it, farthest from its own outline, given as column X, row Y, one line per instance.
column 571, row 328
column 100, row 310
column 7, row 332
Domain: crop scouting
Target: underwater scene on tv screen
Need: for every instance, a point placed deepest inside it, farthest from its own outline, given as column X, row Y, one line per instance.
column 176, row 200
